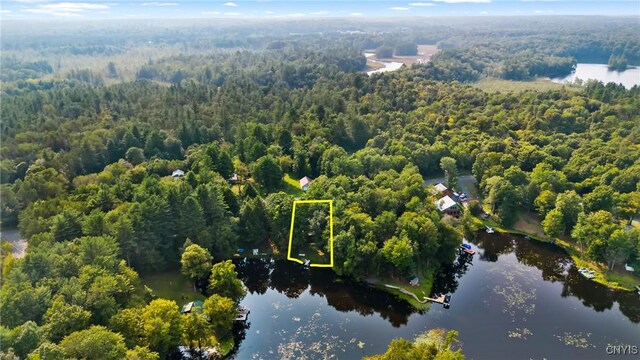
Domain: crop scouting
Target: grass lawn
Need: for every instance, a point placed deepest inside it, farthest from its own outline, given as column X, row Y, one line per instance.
column 422, row 290
column 292, row 186
column 470, row 186
column 528, row 223
column 172, row 285
column 497, row 85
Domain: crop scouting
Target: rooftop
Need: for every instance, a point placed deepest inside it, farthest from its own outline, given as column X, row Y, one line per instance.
column 440, row 187
column 445, row 203
column 305, row 181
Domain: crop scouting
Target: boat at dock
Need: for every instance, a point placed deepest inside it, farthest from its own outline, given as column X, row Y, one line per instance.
column 589, row 274
column 440, row 299
column 490, row 230
column 466, row 248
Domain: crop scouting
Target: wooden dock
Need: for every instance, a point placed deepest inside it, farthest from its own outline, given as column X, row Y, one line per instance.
column 243, row 314
column 439, row 300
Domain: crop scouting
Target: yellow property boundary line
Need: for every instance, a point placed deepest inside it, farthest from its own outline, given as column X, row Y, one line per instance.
column 293, row 215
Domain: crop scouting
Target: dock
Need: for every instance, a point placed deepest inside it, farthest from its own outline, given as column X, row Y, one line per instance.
column 243, row 314
column 439, row 300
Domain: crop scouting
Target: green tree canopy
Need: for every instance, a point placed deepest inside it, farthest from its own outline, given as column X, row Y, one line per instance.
column 224, row 281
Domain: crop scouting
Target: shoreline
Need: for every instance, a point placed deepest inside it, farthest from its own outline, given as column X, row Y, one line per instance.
column 604, row 276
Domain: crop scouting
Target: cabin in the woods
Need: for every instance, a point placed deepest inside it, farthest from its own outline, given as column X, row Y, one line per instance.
column 304, row 183
column 177, row 174
column 440, row 189
column 446, row 205
column 187, row 308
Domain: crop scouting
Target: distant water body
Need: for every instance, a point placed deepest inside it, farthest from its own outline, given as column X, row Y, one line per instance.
column 601, row 72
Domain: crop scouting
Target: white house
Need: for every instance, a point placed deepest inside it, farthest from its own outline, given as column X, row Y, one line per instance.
column 304, row 183
column 177, row 174
column 447, row 205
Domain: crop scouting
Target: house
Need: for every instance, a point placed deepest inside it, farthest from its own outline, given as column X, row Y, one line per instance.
column 447, row 205
column 234, row 178
column 304, row 183
column 187, row 308
column 440, row 189
column 177, row 174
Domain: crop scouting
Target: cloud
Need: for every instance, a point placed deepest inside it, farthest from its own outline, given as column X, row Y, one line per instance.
column 399, row 8
column 230, row 4
column 484, row 12
column 356, row 14
column 296, row 15
column 159, row 4
column 65, row 9
column 210, row 12
column 268, row 12
column 316, row 13
column 232, row 13
column 65, row 14
column 422, row 4
column 543, row 12
column 463, row 1
column 5, row 11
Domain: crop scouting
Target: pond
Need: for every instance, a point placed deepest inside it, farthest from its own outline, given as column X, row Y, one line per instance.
column 513, row 299
column 601, row 72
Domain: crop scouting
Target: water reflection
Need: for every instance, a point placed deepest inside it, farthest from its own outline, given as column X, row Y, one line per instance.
column 557, row 266
column 342, row 294
column 513, row 296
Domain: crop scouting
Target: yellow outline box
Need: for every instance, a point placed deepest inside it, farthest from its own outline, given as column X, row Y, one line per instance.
column 293, row 215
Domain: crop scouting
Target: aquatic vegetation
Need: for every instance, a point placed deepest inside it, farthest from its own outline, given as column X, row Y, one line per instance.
column 577, row 340
column 520, row 333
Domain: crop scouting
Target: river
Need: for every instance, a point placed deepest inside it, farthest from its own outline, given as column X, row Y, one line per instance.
column 514, row 299
column 601, row 72
column 388, row 65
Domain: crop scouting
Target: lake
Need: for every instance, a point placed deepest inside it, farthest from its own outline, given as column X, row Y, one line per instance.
column 513, row 299
column 601, row 72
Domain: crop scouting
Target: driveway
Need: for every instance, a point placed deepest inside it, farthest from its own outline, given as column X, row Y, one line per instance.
column 466, row 184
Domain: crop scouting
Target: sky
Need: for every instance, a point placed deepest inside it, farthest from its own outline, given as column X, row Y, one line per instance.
column 118, row 9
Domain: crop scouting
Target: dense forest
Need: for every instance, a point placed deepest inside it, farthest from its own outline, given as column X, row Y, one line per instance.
column 88, row 155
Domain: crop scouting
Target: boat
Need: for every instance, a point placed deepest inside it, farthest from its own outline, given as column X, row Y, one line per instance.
column 307, row 263
column 628, row 268
column 466, row 248
column 589, row 274
column 638, row 288
column 490, row 230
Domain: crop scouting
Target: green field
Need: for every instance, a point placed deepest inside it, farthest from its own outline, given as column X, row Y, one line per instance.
column 172, row 285
column 539, row 84
column 292, row 186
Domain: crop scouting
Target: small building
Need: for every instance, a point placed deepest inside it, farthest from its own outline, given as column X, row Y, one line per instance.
column 305, row 182
column 414, row 281
column 187, row 308
column 177, row 174
column 441, row 188
column 233, row 178
column 446, row 205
